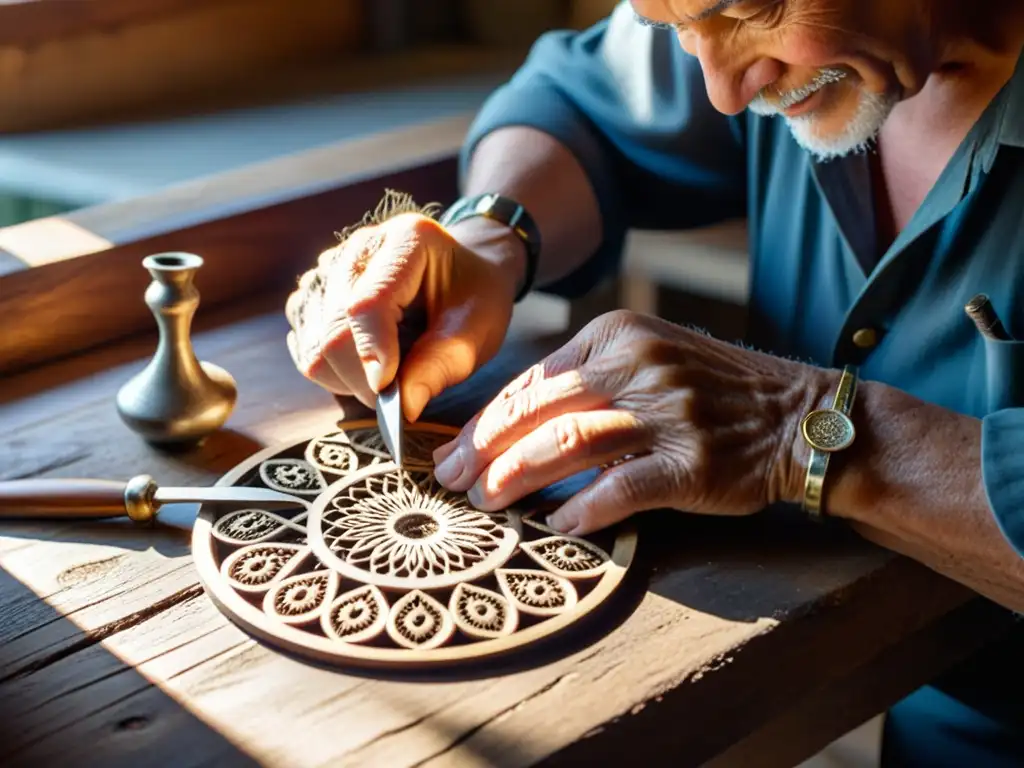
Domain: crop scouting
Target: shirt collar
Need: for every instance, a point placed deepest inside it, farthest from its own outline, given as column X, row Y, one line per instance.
column 1011, row 118
column 1002, row 124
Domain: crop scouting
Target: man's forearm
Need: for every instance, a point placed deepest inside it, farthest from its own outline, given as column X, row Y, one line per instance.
column 540, row 173
column 912, row 482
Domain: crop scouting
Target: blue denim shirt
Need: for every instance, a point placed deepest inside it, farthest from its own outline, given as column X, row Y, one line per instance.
column 632, row 107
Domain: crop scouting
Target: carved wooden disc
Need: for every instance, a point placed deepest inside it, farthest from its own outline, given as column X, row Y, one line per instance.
column 381, row 566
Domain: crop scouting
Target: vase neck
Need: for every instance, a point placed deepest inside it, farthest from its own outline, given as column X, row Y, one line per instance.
column 175, row 272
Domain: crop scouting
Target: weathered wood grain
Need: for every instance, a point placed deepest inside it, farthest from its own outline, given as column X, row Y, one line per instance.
column 729, row 631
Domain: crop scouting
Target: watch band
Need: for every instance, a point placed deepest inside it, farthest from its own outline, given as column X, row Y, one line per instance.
column 828, row 430
column 508, row 212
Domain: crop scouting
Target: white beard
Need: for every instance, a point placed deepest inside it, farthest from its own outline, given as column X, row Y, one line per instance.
column 872, row 112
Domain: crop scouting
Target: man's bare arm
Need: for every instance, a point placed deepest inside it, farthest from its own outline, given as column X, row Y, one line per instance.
column 538, row 172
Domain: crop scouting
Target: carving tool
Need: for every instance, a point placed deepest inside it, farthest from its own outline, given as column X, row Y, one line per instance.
column 390, row 417
column 137, row 499
column 390, row 421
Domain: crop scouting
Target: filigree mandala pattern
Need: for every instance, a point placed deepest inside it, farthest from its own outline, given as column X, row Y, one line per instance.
column 299, row 599
column 480, row 612
column 332, row 455
column 567, row 556
column 256, row 567
column 402, row 529
column 292, row 476
column 249, row 526
column 378, row 565
column 349, row 450
column 536, row 592
column 418, row 621
column 357, row 615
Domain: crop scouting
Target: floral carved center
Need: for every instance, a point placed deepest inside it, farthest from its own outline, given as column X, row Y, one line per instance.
column 400, row 529
column 416, row 525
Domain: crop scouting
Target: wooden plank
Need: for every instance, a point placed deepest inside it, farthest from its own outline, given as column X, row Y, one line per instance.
column 9, row 263
column 216, row 749
column 258, row 186
column 320, row 79
column 714, row 691
column 32, row 22
column 814, row 723
column 257, row 228
column 109, row 56
column 728, row 627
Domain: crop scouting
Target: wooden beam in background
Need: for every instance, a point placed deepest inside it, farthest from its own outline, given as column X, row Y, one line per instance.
column 33, row 22
column 109, row 56
column 256, row 227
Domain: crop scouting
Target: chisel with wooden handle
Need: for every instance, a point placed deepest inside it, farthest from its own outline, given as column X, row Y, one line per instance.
column 137, row 499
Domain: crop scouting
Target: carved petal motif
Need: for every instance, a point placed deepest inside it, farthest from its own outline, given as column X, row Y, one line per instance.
column 369, row 444
column 253, row 526
column 419, row 622
column 332, row 453
column 567, row 556
column 292, row 476
column 481, row 613
column 356, row 616
column 419, row 446
column 299, row 599
column 536, row 592
column 257, row 567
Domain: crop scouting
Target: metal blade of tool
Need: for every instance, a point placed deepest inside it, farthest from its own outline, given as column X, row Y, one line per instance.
column 390, row 416
column 262, row 497
column 390, row 421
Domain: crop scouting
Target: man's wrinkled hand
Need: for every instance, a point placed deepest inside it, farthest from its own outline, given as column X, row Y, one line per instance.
column 676, row 419
column 346, row 312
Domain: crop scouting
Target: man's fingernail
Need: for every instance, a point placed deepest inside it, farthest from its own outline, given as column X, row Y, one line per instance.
column 442, row 452
column 374, row 374
column 449, row 470
column 416, row 398
column 558, row 522
column 476, row 496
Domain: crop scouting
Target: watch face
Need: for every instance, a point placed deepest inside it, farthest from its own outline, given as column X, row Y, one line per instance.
column 828, row 430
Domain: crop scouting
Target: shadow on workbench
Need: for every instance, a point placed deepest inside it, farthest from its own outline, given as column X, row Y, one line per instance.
column 49, row 673
column 65, row 699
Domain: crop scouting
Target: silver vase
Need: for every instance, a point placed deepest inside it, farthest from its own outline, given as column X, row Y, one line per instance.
column 176, row 400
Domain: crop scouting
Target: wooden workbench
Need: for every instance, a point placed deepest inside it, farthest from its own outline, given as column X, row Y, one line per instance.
column 734, row 642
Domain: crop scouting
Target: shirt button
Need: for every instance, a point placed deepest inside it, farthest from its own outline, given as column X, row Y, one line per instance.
column 865, row 338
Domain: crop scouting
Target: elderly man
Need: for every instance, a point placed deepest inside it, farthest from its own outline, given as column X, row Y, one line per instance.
column 877, row 151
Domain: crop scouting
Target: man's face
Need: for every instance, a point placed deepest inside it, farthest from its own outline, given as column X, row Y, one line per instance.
column 833, row 69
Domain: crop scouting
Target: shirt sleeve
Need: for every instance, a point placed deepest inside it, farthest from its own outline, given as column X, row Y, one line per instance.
column 1002, row 469
column 632, row 107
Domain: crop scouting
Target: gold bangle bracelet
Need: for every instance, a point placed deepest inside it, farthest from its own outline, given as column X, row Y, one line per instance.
column 828, row 430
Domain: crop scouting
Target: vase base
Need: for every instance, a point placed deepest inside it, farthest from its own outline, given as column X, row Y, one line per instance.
column 147, row 408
